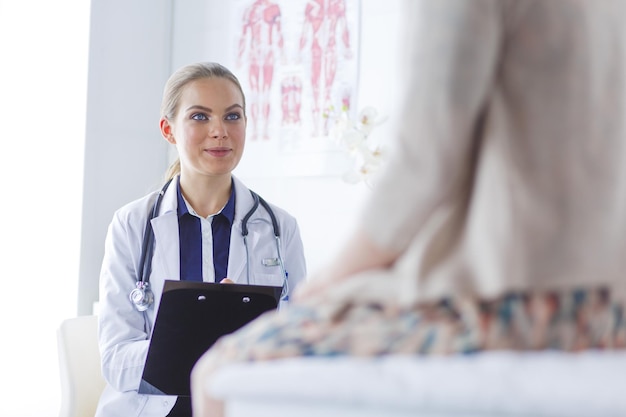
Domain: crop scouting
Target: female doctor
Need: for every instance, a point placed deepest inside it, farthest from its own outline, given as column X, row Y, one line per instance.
column 198, row 224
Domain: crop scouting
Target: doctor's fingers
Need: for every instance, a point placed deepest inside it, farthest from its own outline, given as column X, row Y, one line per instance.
column 227, row 281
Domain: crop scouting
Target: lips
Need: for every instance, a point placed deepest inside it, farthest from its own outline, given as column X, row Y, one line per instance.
column 218, row 152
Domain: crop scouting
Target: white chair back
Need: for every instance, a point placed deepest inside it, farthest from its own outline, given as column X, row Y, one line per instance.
column 79, row 361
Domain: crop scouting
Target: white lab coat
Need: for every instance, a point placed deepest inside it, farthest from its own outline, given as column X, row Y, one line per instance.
column 124, row 332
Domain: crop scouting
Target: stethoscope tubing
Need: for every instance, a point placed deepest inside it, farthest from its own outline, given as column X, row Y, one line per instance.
column 147, row 247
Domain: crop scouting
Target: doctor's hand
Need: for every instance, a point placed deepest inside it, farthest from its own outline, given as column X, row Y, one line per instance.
column 227, row 281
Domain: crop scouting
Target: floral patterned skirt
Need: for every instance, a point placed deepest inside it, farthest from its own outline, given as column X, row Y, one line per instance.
column 573, row 321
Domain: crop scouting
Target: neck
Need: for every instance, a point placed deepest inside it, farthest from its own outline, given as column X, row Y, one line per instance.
column 207, row 195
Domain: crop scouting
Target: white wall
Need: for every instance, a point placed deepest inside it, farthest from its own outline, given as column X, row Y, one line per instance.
column 43, row 85
column 134, row 47
column 125, row 156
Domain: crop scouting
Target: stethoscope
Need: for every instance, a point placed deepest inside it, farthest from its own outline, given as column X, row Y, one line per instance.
column 142, row 296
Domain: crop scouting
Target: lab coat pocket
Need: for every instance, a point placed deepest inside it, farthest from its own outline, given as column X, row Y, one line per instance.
column 273, row 280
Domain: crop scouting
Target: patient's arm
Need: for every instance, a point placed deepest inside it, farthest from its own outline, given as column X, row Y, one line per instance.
column 357, row 255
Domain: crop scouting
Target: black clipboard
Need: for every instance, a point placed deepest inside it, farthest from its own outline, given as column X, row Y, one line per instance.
column 191, row 317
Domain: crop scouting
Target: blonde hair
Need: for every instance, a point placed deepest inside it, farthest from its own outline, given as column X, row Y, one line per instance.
column 174, row 88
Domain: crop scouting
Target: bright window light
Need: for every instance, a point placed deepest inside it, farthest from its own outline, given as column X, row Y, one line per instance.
column 43, row 90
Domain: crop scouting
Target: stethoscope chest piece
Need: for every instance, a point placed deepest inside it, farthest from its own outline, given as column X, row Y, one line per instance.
column 142, row 296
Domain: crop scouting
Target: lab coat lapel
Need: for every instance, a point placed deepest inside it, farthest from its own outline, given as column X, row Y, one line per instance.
column 237, row 258
column 167, row 252
column 165, row 226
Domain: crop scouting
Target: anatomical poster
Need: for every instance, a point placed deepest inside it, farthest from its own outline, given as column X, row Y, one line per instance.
column 297, row 61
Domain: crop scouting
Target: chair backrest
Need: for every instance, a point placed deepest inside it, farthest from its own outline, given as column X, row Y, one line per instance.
column 79, row 361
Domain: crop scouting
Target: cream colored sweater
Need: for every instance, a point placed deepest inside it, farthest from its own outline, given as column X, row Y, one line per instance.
column 509, row 170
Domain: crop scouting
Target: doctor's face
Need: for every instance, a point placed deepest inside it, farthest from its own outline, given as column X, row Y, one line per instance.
column 209, row 127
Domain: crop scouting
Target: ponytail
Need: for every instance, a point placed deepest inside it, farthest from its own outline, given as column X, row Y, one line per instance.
column 173, row 170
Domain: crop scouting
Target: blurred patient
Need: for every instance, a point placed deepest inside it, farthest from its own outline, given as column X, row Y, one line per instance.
column 500, row 220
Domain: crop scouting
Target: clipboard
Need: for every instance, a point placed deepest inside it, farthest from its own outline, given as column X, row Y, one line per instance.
column 191, row 317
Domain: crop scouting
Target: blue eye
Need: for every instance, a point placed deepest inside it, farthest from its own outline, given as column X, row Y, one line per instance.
column 233, row 116
column 199, row 116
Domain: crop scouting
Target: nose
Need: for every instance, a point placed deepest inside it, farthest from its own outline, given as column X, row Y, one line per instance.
column 217, row 130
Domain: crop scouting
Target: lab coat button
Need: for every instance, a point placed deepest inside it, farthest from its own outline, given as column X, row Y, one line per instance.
column 165, row 403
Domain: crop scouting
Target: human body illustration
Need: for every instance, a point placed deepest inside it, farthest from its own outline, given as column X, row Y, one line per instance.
column 291, row 100
column 261, row 37
column 324, row 22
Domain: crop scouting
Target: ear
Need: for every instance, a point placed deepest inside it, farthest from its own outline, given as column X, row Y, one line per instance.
column 166, row 130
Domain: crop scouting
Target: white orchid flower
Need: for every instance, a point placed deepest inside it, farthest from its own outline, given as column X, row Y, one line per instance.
column 368, row 119
column 353, row 136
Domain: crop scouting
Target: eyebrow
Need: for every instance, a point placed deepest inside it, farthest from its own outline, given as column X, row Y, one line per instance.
column 209, row 110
